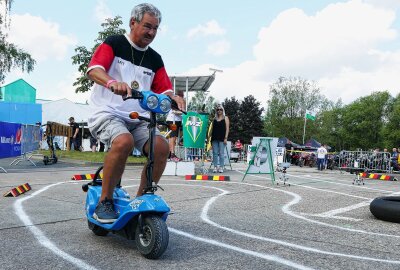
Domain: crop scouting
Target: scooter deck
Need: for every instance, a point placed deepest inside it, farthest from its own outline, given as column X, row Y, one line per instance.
column 126, row 207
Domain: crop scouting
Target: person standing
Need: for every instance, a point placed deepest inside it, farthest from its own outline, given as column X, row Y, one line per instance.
column 174, row 117
column 76, row 135
column 394, row 157
column 219, row 138
column 93, row 143
column 321, row 155
column 120, row 64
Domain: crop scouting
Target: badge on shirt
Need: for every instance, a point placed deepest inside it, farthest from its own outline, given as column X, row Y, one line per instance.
column 135, row 85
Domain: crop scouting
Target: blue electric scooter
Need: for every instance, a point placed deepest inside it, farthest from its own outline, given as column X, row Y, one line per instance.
column 142, row 219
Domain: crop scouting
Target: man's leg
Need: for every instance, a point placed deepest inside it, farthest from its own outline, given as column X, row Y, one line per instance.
column 114, row 164
column 172, row 142
column 160, row 161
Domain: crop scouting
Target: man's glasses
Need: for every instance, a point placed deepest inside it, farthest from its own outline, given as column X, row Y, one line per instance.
column 149, row 27
column 219, row 110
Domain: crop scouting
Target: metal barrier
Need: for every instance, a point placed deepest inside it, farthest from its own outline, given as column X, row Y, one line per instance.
column 365, row 161
column 29, row 143
column 198, row 155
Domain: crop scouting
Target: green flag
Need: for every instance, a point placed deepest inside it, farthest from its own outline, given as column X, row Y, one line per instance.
column 194, row 129
column 310, row 115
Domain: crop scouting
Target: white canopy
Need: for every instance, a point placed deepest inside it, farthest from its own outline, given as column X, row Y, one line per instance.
column 61, row 110
column 192, row 83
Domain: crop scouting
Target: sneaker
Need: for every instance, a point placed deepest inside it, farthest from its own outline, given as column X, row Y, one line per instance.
column 174, row 158
column 105, row 212
column 221, row 170
column 215, row 170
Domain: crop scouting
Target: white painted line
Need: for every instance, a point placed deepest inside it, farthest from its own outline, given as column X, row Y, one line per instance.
column 344, row 209
column 330, row 191
column 333, row 217
column 204, row 216
column 341, row 184
column 43, row 240
column 241, row 250
column 286, row 209
column 40, row 236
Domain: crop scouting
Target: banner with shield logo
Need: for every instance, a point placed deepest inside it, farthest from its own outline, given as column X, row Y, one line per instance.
column 194, row 129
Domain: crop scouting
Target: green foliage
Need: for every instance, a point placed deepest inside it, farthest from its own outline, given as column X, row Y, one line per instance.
column 391, row 131
column 329, row 123
column 10, row 55
column 232, row 107
column 250, row 119
column 201, row 102
column 83, row 55
column 289, row 100
column 363, row 121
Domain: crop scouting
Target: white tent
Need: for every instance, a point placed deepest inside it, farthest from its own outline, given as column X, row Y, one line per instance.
column 60, row 111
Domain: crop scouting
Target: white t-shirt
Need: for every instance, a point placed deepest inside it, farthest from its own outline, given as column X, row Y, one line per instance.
column 321, row 152
column 171, row 116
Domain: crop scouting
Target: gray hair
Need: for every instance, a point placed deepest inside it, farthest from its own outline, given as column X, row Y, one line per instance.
column 139, row 11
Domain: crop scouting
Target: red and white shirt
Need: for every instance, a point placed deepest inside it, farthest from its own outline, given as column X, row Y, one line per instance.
column 125, row 62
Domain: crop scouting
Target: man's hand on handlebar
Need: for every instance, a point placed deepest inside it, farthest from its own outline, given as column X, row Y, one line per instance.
column 121, row 88
column 179, row 101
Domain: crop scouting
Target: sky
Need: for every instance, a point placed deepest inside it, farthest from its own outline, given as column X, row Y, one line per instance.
column 349, row 48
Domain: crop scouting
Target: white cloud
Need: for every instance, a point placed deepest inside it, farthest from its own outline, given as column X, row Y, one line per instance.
column 339, row 47
column 389, row 4
column 323, row 42
column 102, row 11
column 218, row 48
column 65, row 89
column 210, row 28
column 40, row 38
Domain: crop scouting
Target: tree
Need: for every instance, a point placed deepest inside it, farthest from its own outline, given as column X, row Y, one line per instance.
column 83, row 56
column 232, row 107
column 363, row 121
column 391, row 131
column 329, row 123
column 289, row 100
column 201, row 102
column 10, row 55
column 250, row 119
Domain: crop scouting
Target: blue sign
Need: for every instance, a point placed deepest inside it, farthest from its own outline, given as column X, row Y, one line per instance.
column 10, row 139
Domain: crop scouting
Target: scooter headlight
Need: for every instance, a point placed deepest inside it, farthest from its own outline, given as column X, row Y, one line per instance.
column 165, row 105
column 152, row 102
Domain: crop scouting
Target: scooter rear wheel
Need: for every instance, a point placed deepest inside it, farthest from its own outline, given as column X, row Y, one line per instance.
column 154, row 240
column 97, row 230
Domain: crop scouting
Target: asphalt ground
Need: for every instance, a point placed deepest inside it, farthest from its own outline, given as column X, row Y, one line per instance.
column 320, row 221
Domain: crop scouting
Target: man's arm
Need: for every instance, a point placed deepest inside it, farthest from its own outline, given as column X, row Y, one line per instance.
column 100, row 76
column 76, row 130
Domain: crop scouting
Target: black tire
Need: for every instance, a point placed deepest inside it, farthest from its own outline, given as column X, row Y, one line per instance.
column 155, row 237
column 236, row 160
column 45, row 160
column 97, row 230
column 55, row 160
column 386, row 208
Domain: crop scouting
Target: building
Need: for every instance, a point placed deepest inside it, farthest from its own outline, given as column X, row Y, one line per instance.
column 18, row 103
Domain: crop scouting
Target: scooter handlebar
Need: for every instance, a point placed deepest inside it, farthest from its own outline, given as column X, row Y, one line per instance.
column 135, row 94
column 174, row 106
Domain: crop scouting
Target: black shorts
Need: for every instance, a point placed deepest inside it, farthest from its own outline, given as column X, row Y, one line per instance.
column 175, row 132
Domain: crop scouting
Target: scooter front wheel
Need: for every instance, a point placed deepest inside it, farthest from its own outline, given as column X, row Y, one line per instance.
column 97, row 230
column 154, row 240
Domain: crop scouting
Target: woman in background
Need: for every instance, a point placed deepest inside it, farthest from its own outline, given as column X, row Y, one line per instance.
column 219, row 138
